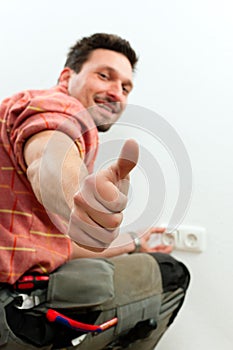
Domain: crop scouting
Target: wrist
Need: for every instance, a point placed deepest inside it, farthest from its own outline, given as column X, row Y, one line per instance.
column 136, row 241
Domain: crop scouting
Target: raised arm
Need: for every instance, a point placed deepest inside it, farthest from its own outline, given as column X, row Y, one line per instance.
column 92, row 204
column 55, row 170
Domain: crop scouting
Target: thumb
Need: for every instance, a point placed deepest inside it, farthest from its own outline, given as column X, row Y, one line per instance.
column 127, row 160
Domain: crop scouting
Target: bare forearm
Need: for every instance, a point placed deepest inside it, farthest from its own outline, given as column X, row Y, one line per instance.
column 93, row 210
column 124, row 243
column 49, row 155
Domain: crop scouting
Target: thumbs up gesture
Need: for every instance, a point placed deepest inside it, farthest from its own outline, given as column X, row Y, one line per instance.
column 98, row 205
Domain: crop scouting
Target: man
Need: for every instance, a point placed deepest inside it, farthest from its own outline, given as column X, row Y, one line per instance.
column 54, row 209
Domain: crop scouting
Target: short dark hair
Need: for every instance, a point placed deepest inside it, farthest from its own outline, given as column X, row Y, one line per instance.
column 80, row 52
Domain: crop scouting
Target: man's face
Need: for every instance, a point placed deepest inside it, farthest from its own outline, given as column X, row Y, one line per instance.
column 103, row 84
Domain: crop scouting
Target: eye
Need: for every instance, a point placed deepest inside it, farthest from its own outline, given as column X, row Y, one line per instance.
column 125, row 89
column 103, row 76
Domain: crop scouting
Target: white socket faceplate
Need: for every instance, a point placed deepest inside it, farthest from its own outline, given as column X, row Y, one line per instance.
column 186, row 238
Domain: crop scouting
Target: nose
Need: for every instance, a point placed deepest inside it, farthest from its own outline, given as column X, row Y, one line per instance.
column 115, row 91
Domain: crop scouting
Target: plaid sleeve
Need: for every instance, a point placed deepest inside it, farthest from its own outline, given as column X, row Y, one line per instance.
column 54, row 111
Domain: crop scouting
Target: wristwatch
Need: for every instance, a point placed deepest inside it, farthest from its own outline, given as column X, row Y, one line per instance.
column 137, row 243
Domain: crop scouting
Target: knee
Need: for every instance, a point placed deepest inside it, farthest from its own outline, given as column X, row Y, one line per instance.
column 173, row 272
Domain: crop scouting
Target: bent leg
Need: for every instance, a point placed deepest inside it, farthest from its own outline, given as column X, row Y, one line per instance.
column 175, row 279
column 149, row 291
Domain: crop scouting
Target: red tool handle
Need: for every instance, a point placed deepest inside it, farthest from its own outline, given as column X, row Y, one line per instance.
column 54, row 316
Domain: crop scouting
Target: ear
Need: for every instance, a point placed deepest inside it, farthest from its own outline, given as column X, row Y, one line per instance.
column 65, row 75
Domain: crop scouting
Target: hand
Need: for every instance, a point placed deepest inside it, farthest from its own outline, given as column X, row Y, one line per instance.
column 98, row 205
column 147, row 248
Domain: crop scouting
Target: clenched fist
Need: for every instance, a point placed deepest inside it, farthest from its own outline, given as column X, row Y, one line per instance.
column 98, row 205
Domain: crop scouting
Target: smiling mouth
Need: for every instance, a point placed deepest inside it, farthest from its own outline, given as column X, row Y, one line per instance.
column 106, row 114
column 111, row 107
column 106, row 107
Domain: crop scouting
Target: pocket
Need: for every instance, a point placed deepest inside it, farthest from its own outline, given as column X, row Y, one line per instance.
column 81, row 283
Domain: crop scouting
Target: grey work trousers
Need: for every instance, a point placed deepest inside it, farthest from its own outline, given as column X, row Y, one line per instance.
column 142, row 292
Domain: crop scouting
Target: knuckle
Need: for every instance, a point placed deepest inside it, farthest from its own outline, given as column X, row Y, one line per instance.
column 79, row 199
column 116, row 220
column 89, row 181
column 120, row 204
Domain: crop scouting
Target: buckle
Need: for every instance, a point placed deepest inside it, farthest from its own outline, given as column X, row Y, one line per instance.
column 25, row 301
column 78, row 340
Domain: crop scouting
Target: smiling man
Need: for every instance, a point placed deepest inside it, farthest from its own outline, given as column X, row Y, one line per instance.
column 104, row 82
column 55, row 211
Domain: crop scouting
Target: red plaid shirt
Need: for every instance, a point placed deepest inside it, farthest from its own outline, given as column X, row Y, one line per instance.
column 28, row 238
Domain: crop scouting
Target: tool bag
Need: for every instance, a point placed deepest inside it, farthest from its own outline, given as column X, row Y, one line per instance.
column 93, row 291
column 79, row 287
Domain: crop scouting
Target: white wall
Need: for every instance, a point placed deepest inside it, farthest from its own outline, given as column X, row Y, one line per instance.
column 185, row 74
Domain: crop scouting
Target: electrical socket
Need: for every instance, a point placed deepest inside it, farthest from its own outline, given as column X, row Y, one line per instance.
column 186, row 238
column 170, row 238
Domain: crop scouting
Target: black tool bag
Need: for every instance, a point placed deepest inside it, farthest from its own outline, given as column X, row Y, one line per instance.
column 78, row 289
